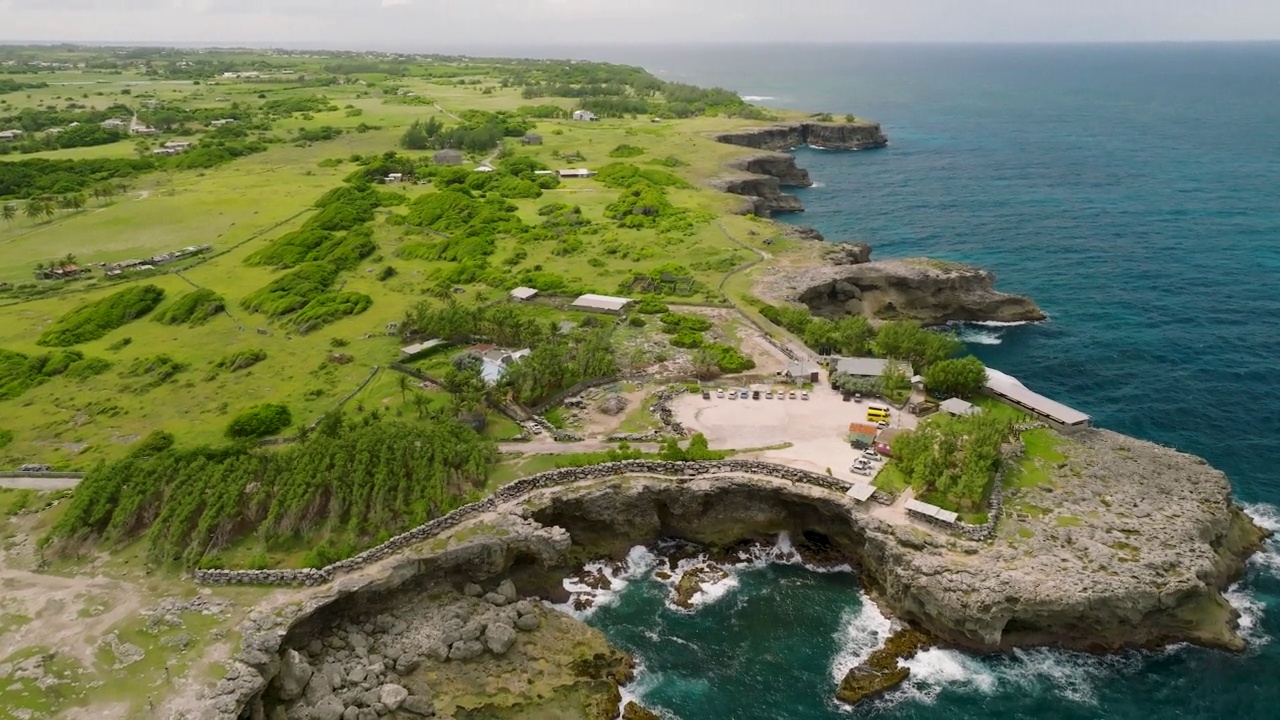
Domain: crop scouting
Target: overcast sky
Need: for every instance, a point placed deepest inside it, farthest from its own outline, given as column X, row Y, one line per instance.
column 453, row 25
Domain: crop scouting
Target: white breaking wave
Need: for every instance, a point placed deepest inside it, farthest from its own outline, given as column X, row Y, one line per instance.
column 1250, row 609
column 1069, row 676
column 639, row 561
column 979, row 337
column 757, row 98
column 818, row 184
column 861, row 633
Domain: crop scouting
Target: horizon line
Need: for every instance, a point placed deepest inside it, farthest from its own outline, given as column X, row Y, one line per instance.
column 345, row 46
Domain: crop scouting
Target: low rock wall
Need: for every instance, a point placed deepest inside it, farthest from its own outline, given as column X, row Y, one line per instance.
column 508, row 493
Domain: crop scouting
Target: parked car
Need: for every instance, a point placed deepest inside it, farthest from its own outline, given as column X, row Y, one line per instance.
column 769, row 395
column 35, row 467
column 804, row 395
column 793, row 394
column 744, row 394
column 720, row 393
column 706, row 394
column 860, row 471
column 733, row 394
column 882, row 425
column 857, row 397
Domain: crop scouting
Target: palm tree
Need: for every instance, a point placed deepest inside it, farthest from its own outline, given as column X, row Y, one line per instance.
column 9, row 212
column 34, row 209
column 402, row 381
column 76, row 201
column 63, row 202
column 50, row 209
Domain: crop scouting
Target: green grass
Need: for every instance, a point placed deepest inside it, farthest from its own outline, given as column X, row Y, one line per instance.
column 1068, row 521
column 891, row 480
column 1037, row 463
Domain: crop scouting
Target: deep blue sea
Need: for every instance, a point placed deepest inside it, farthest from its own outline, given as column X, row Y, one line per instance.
column 1134, row 192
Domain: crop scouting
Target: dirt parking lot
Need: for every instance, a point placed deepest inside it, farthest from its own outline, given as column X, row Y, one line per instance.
column 816, row 428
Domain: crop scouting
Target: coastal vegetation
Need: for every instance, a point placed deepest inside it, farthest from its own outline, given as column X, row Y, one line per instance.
column 952, row 460
column 348, row 484
column 95, row 319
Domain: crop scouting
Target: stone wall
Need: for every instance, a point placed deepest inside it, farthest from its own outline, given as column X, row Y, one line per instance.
column 512, row 492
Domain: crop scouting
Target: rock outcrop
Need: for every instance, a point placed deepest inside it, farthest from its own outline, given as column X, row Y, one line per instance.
column 1129, row 543
column 832, row 136
column 931, row 292
column 763, row 194
column 777, row 165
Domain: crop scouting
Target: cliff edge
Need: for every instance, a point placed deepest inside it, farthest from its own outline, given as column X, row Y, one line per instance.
column 931, row 292
column 858, row 135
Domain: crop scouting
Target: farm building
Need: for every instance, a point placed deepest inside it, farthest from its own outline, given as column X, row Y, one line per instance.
column 523, row 293
column 447, row 157
column 417, row 348
column 884, row 440
column 585, row 116
column 575, row 173
column 600, row 304
column 531, row 139
column 1010, row 390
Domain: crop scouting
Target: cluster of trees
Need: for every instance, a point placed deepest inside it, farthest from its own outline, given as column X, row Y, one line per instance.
column 43, row 208
column 95, row 319
column 479, row 131
column 560, row 363
column 457, row 323
column 296, row 104
column 19, row 373
column 38, row 177
column 9, row 85
column 36, row 119
column 696, row 451
column 957, row 458
column 362, row 482
column 957, row 377
column 194, row 308
column 333, row 240
column 78, row 136
column 851, row 335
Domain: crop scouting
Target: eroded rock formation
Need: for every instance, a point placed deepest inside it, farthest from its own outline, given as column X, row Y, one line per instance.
column 931, row 292
column 833, row 136
column 1134, row 546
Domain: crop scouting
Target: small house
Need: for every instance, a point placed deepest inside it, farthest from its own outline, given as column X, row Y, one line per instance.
column 10, row 135
column 575, row 173
column 409, row 351
column 143, row 130
column 531, row 139
column 884, row 440
column 220, row 123
column 803, row 372
column 483, row 168
column 447, row 157
column 393, row 178
column 495, row 363
column 862, row 435
column 114, row 124
column 584, row 116
column 523, row 293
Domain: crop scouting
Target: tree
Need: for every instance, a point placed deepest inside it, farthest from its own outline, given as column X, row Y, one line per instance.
column 706, row 364
column 76, row 202
column 908, row 341
column 894, row 382
column 402, row 382
column 34, row 209
column 9, row 212
column 961, row 377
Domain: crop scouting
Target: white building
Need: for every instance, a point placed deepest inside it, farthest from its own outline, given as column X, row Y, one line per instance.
column 958, row 407
column 584, row 116
column 575, row 173
column 600, row 304
column 1009, row 389
column 523, row 293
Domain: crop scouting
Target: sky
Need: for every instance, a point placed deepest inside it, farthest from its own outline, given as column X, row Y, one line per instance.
column 456, row 25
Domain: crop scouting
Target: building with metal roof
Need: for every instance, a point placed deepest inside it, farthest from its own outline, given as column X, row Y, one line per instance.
column 601, row 304
column 869, row 367
column 410, row 350
column 931, row 512
column 523, row 293
column 861, row 493
column 958, row 407
column 803, row 371
column 1011, row 390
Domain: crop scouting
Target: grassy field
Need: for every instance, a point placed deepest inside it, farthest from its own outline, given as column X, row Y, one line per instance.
column 239, row 207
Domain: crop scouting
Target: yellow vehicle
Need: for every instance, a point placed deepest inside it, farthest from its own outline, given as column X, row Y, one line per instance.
column 877, row 413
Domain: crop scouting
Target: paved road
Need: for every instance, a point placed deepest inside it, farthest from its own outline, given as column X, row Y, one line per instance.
column 39, row 483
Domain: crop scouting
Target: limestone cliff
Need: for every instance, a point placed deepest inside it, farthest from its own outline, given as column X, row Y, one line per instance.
column 762, row 193
column 833, row 136
column 931, row 292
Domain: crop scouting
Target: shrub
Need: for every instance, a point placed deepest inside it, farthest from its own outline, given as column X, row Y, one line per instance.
column 687, row 339
column 194, row 308
column 241, row 360
column 692, row 323
column 6, row 437
column 626, row 151
column 94, row 320
column 19, row 373
column 636, row 321
column 158, row 368
column 730, row 359
column 260, row 421
column 651, row 307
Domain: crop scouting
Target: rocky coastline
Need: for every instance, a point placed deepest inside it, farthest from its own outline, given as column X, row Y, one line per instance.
column 931, row 292
column 1138, row 543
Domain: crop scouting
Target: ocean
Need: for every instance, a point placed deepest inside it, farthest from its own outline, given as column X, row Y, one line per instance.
column 1134, row 192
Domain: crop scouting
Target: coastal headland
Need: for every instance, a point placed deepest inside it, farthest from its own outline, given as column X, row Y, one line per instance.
column 438, row 341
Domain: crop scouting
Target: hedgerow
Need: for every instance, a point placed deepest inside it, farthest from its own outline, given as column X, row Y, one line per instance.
column 328, row 308
column 94, row 320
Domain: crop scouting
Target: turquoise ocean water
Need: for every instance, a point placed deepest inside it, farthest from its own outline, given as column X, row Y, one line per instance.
column 1134, row 192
